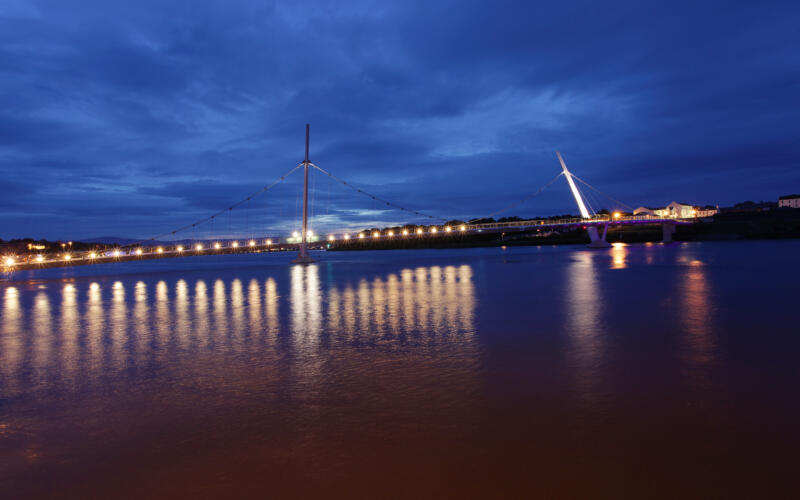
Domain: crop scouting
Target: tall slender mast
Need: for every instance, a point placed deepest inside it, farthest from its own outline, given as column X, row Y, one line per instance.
column 303, row 256
column 574, row 188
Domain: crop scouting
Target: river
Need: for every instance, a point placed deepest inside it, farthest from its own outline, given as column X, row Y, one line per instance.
column 639, row 371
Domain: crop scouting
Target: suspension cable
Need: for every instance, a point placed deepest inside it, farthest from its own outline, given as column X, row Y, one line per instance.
column 602, row 193
column 212, row 217
column 523, row 200
column 376, row 198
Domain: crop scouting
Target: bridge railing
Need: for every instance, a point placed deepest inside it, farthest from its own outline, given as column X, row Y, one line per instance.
column 575, row 221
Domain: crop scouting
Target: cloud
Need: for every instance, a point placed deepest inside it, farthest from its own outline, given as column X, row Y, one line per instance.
column 125, row 118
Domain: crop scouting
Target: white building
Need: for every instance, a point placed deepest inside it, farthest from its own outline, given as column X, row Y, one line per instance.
column 677, row 210
column 790, row 200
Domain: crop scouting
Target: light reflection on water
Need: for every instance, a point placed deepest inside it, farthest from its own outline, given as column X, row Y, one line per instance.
column 585, row 327
column 102, row 329
column 699, row 342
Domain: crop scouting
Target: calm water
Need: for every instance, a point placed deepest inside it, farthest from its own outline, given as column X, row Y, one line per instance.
column 641, row 371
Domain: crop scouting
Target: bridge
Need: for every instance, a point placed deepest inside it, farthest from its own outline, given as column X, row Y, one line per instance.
column 595, row 225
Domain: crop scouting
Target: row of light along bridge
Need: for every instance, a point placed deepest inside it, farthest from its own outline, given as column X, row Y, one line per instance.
column 73, row 258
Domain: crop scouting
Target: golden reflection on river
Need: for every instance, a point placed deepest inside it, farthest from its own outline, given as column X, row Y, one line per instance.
column 618, row 253
column 87, row 332
column 699, row 341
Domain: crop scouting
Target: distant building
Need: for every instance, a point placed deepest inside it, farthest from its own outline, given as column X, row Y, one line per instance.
column 790, row 200
column 706, row 211
column 645, row 211
column 677, row 210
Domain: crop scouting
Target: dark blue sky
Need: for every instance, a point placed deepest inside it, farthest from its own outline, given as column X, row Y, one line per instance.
column 131, row 118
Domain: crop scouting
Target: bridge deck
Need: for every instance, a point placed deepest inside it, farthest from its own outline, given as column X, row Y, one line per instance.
column 9, row 264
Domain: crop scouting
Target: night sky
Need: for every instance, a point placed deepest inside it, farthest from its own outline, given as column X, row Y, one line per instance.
column 131, row 118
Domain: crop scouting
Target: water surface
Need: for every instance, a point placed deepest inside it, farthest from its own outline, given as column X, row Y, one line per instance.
column 644, row 370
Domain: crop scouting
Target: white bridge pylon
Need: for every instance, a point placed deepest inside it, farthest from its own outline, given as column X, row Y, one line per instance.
column 597, row 241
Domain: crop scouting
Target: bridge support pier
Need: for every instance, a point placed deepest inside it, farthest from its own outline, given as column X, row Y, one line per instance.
column 667, row 230
column 598, row 241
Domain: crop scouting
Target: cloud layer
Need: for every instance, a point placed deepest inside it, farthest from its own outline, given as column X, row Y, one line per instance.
column 132, row 118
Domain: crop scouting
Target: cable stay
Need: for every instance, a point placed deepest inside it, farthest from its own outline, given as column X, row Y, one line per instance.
column 376, row 198
column 602, row 193
column 217, row 214
column 523, row 200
